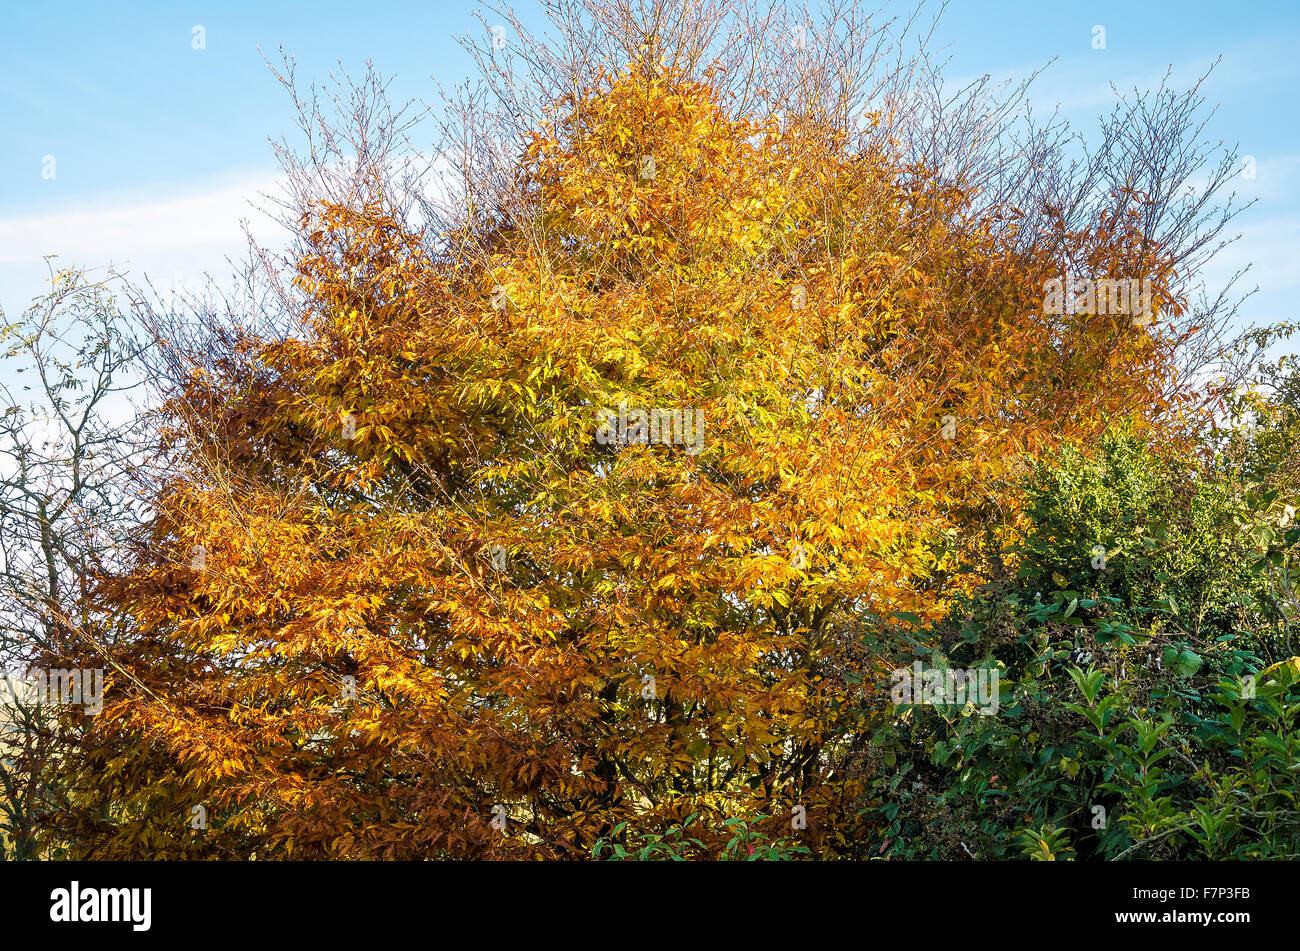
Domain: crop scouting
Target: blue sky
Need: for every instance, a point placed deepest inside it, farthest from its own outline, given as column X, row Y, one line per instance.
column 158, row 147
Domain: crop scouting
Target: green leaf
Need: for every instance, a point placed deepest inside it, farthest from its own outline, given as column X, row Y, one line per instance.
column 1188, row 662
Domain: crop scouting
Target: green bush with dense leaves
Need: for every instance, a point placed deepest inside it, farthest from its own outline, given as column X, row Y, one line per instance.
column 1148, row 696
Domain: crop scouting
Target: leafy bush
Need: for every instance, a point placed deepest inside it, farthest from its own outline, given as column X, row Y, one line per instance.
column 1141, row 712
column 744, row 842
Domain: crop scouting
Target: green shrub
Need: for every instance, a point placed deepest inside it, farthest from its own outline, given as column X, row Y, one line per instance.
column 1122, row 731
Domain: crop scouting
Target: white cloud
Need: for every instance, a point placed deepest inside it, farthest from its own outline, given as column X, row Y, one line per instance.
column 169, row 239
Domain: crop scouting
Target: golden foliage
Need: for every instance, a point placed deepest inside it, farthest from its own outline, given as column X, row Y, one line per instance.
column 427, row 588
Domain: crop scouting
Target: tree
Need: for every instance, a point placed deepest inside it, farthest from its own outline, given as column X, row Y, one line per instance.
column 609, row 496
column 69, row 441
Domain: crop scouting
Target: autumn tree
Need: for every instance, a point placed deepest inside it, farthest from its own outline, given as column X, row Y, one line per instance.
column 601, row 486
